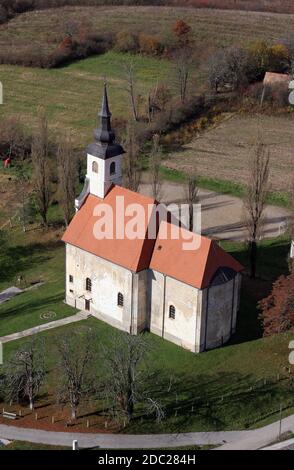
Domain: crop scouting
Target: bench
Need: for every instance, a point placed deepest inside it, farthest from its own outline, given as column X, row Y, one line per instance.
column 7, row 415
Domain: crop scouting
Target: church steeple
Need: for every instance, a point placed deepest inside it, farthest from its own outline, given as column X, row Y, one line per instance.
column 104, row 155
column 104, row 133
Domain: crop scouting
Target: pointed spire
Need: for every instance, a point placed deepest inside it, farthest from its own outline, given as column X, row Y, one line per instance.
column 105, row 107
column 104, row 133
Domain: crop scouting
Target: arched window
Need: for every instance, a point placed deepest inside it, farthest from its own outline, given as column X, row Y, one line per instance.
column 172, row 312
column 95, row 167
column 112, row 168
column 88, row 284
column 120, row 299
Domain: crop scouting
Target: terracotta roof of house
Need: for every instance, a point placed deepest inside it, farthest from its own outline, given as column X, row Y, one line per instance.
column 271, row 78
column 132, row 254
column 195, row 267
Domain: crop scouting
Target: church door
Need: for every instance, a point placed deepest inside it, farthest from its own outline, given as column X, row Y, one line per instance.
column 87, row 304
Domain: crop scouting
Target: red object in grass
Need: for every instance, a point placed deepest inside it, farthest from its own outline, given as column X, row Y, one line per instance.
column 7, row 162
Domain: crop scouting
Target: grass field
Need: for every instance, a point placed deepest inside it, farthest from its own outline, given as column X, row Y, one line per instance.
column 71, row 95
column 225, row 151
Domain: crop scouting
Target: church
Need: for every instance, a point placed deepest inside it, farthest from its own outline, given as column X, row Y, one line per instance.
column 189, row 297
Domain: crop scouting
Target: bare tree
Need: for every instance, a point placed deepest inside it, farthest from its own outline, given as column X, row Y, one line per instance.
column 125, row 381
column 191, row 195
column 182, row 64
column 77, row 377
column 66, row 177
column 255, row 199
column 132, row 166
column 130, row 80
column 155, row 167
column 25, row 373
column 40, row 158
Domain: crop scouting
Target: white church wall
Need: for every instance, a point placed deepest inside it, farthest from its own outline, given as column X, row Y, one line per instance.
column 182, row 330
column 220, row 305
column 107, row 279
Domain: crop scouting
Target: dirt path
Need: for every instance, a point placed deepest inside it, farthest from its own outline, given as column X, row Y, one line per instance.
column 221, row 215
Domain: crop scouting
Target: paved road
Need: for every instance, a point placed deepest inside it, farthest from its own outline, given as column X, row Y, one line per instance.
column 222, row 215
column 255, row 439
column 46, row 326
column 259, row 438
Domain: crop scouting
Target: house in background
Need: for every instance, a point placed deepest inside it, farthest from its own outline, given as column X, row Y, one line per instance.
column 189, row 297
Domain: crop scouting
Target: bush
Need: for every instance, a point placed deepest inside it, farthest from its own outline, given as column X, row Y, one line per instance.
column 125, row 41
column 150, row 45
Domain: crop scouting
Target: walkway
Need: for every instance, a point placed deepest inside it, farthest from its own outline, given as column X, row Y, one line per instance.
column 46, row 326
column 254, row 439
column 9, row 293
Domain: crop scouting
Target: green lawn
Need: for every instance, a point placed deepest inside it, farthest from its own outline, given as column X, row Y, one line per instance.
column 20, row 445
column 36, row 260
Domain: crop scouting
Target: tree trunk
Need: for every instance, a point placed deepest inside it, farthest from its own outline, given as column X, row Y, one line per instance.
column 253, row 258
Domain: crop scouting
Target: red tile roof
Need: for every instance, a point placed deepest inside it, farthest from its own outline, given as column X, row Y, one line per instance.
column 195, row 267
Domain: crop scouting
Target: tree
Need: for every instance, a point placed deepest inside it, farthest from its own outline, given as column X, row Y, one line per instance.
column 254, row 202
column 125, row 381
column 277, row 310
column 182, row 65
column 227, row 67
column 130, row 80
column 155, row 166
column 132, row 167
column 75, row 365
column 182, row 32
column 191, row 197
column 40, row 159
column 66, row 177
column 25, row 373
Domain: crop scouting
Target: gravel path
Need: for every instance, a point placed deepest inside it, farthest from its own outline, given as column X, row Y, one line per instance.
column 221, row 214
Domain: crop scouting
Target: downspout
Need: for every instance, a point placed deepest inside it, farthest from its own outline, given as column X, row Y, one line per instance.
column 163, row 306
column 132, row 302
column 206, row 317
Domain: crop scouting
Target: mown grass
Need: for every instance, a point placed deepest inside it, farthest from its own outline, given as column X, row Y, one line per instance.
column 21, row 445
column 71, row 96
column 225, row 187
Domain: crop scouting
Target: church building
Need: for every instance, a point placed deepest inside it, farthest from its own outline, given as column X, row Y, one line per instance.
column 190, row 297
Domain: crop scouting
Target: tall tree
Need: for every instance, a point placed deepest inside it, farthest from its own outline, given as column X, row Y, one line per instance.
column 66, row 177
column 254, row 202
column 182, row 59
column 25, row 373
column 75, row 365
column 125, row 384
column 40, row 159
column 131, row 88
column 191, row 197
column 132, row 166
column 155, row 166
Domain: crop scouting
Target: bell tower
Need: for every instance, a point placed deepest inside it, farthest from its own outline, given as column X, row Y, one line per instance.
column 104, row 157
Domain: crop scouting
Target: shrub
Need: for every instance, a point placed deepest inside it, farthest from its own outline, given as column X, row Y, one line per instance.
column 125, row 41
column 150, row 45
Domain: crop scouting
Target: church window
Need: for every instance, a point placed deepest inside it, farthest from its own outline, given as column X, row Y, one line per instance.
column 112, row 168
column 95, row 167
column 172, row 312
column 120, row 300
column 88, row 284
column 70, row 278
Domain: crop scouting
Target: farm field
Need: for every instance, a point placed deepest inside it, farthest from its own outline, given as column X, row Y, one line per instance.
column 223, row 150
column 46, row 28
